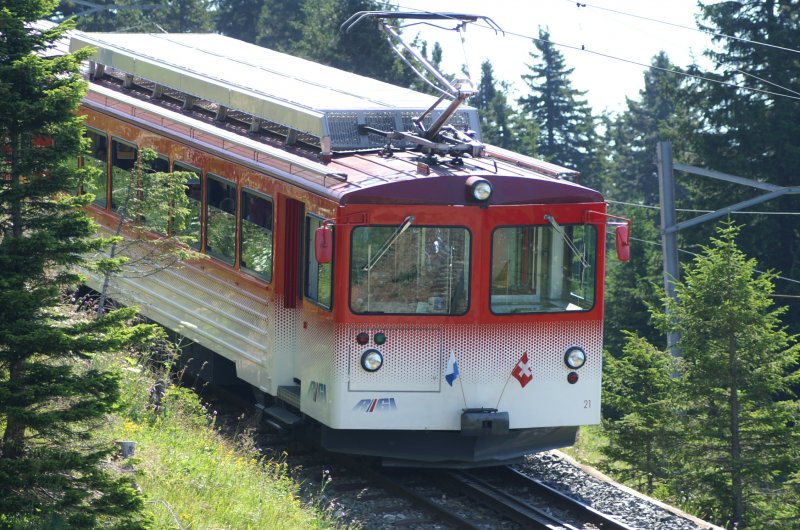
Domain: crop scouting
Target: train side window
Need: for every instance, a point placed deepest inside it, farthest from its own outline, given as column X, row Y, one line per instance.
column 160, row 164
column 123, row 160
column 97, row 158
column 318, row 276
column 190, row 226
column 255, row 246
column 156, row 210
column 221, row 218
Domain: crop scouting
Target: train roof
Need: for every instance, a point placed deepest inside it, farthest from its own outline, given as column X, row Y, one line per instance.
column 309, row 98
column 291, row 88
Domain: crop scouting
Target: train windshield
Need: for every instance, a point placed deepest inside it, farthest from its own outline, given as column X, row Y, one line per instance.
column 416, row 270
column 543, row 269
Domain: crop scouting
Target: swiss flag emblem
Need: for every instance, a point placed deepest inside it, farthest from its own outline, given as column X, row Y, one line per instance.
column 522, row 371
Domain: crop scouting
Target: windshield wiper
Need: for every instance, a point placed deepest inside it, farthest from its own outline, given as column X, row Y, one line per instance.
column 560, row 229
column 389, row 242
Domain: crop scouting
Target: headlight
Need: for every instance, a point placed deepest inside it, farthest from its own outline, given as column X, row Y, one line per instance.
column 371, row 360
column 482, row 190
column 575, row 357
column 479, row 188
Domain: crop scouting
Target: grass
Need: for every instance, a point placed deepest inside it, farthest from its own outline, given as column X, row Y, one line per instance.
column 195, row 478
column 588, row 446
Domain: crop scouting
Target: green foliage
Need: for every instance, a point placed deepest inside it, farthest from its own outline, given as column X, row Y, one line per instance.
column 639, row 416
column 738, row 364
column 256, row 248
column 363, row 50
column 173, row 16
column 633, row 288
column 660, row 114
column 193, row 474
column 566, row 125
column 242, row 19
column 497, row 116
column 751, row 134
column 156, row 200
column 311, row 29
column 51, row 398
column 155, row 214
column 720, row 439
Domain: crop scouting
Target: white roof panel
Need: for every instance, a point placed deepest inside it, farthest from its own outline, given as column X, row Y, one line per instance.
column 293, row 92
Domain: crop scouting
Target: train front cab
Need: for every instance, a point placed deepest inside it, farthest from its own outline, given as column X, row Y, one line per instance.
column 463, row 335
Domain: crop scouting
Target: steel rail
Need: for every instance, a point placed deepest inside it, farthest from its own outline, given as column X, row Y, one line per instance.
column 560, row 500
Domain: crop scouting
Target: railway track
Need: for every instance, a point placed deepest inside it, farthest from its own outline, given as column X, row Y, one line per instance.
column 491, row 498
column 488, row 497
column 530, row 502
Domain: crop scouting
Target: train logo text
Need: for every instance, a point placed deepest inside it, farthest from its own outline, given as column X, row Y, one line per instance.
column 376, row 405
column 317, row 392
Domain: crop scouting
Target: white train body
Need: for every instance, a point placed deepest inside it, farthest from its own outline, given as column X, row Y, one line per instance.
column 506, row 290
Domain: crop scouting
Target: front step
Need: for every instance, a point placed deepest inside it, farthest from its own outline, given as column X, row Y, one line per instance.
column 290, row 394
column 284, row 417
column 278, row 415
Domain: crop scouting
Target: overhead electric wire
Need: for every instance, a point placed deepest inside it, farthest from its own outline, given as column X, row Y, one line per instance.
column 687, row 210
column 701, row 31
column 767, row 82
column 653, row 67
column 583, row 48
column 695, row 254
column 657, row 21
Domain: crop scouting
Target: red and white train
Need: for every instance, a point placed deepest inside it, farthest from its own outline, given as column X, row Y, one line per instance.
column 424, row 299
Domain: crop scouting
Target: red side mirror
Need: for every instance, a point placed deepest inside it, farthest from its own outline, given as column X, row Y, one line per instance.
column 623, row 242
column 323, row 244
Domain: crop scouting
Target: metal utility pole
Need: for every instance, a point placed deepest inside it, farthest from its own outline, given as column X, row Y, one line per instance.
column 669, row 245
column 669, row 226
column 669, row 237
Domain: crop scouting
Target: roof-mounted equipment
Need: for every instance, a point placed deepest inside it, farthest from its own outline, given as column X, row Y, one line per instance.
column 439, row 138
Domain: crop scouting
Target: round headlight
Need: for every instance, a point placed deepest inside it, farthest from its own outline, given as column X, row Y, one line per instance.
column 482, row 190
column 371, row 360
column 575, row 357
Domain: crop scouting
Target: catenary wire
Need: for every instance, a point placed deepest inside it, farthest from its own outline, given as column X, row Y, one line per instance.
column 657, row 21
column 688, row 210
column 636, row 63
column 695, row 254
column 651, row 66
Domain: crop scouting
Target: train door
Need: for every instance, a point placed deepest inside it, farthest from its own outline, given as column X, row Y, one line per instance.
column 293, row 232
column 288, row 313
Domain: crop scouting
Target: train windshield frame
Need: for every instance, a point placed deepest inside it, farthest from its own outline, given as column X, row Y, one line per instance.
column 543, row 269
column 419, row 270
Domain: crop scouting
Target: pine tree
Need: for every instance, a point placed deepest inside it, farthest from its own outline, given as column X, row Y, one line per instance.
column 240, row 19
column 753, row 134
column 740, row 437
column 497, row 116
column 634, row 287
column 173, row 16
column 566, row 125
column 661, row 113
column 638, row 413
column 279, row 25
column 311, row 29
column 180, row 16
column 50, row 395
